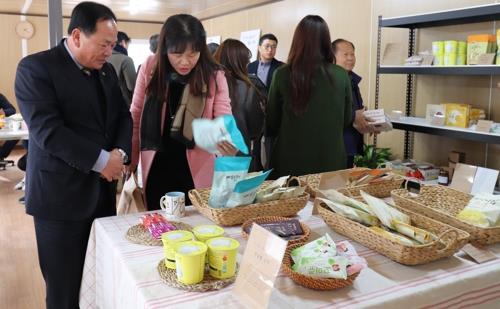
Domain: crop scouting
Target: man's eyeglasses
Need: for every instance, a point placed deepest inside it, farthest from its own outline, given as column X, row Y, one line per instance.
column 269, row 46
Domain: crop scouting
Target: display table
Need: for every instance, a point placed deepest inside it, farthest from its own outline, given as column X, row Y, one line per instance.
column 120, row 274
column 6, row 134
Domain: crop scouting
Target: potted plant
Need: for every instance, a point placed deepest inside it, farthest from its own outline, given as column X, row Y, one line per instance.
column 372, row 157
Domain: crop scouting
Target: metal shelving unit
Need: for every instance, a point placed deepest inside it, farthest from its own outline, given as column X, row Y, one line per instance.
column 469, row 15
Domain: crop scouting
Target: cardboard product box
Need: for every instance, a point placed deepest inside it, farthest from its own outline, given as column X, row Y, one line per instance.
column 453, row 158
column 429, row 172
column 457, row 115
column 479, row 44
column 433, row 109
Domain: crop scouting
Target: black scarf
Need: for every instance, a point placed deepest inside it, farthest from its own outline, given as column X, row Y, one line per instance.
column 151, row 138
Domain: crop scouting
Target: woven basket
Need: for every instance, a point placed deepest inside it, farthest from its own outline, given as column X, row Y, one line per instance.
column 301, row 240
column 312, row 282
column 169, row 277
column 311, row 182
column 443, row 204
column 380, row 188
column 449, row 241
column 237, row 215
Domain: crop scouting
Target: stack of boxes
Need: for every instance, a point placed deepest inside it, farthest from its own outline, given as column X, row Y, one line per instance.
column 448, row 53
column 498, row 47
column 438, row 52
column 480, row 44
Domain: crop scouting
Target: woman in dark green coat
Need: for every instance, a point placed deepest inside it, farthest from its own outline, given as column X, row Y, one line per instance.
column 309, row 105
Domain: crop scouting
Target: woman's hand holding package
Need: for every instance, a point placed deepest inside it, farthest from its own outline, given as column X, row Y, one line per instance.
column 227, row 149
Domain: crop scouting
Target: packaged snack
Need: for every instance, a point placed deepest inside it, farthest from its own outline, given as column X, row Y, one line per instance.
column 245, row 190
column 156, row 224
column 351, row 213
column 418, row 234
column 483, row 210
column 384, row 212
column 392, row 236
column 227, row 172
column 208, row 133
column 289, row 229
column 335, row 196
column 321, row 247
column 330, row 267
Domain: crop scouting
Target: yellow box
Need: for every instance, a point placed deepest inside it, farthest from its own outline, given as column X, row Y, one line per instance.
column 438, row 47
column 450, row 59
column 438, row 60
column 461, row 59
column 457, row 115
column 462, row 47
column 450, row 47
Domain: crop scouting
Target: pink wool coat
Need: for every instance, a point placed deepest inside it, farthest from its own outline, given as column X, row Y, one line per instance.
column 201, row 163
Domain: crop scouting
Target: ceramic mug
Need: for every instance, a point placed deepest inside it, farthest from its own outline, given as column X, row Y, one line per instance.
column 173, row 203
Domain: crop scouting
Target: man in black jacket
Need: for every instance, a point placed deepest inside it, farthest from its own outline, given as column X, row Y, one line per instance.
column 265, row 66
column 80, row 134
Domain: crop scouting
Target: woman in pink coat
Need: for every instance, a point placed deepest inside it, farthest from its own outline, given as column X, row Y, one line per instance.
column 181, row 70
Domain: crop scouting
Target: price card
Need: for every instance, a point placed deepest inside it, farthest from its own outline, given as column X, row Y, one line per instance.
column 484, row 126
column 480, row 255
column 259, row 268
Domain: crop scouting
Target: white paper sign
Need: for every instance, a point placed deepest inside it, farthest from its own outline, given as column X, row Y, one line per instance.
column 213, row 39
column 259, row 268
column 251, row 40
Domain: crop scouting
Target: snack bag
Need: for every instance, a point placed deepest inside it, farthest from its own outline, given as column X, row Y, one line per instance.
column 483, row 210
column 321, row 247
column 331, row 267
column 227, row 172
column 245, row 190
column 156, row 224
column 208, row 133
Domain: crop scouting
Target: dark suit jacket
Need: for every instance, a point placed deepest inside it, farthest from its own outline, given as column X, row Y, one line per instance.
column 252, row 69
column 8, row 108
column 67, row 131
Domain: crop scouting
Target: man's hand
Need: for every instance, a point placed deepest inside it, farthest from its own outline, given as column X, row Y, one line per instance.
column 361, row 123
column 227, row 149
column 113, row 169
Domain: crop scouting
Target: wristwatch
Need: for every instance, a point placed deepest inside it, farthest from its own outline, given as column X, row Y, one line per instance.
column 124, row 155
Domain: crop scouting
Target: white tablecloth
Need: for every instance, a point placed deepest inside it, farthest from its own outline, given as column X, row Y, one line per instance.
column 7, row 134
column 119, row 274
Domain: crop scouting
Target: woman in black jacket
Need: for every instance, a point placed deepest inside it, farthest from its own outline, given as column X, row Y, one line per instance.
column 247, row 95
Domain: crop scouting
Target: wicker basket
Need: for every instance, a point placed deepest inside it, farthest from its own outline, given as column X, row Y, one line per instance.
column 379, row 188
column 449, row 241
column 312, row 282
column 237, row 215
column 301, row 240
column 443, row 204
column 311, row 182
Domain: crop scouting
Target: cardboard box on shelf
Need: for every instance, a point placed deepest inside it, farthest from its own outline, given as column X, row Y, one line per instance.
column 453, row 158
column 457, row 114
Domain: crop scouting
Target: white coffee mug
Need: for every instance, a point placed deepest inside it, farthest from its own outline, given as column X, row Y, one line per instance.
column 173, row 203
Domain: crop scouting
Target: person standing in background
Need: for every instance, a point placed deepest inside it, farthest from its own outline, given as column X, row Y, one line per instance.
column 182, row 70
column 80, row 136
column 343, row 51
column 247, row 93
column 153, row 43
column 309, row 105
column 124, row 66
column 265, row 66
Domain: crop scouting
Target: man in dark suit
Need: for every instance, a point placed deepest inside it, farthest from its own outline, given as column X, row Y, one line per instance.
column 265, row 66
column 80, row 138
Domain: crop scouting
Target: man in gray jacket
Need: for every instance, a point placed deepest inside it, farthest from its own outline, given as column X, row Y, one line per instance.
column 124, row 66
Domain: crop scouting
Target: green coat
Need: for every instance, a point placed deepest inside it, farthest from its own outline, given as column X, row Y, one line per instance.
column 313, row 142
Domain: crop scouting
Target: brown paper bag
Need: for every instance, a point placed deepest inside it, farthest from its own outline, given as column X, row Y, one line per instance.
column 131, row 199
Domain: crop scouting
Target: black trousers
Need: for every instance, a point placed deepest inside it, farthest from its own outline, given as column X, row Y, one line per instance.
column 61, row 251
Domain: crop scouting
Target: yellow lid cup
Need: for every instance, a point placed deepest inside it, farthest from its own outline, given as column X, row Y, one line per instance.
column 190, row 261
column 171, row 238
column 222, row 253
column 205, row 232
